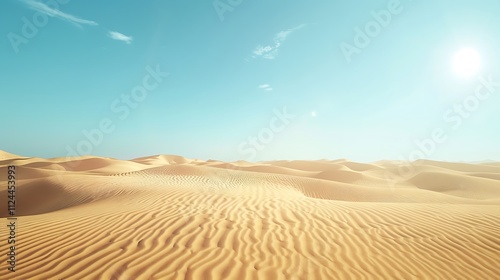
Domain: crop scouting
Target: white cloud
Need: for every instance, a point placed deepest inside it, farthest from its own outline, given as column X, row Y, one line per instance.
column 271, row 51
column 120, row 37
column 54, row 12
column 266, row 87
column 45, row 9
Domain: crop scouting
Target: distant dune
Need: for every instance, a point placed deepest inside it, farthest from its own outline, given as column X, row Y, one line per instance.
column 8, row 156
column 169, row 217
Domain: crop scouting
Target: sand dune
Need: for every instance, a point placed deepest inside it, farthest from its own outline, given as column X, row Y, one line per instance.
column 169, row 217
column 8, row 156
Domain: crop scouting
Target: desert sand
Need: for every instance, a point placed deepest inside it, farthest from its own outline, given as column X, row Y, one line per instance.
column 169, row 217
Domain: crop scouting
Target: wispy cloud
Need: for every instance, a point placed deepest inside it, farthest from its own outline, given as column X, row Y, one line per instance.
column 271, row 51
column 266, row 87
column 43, row 8
column 54, row 12
column 120, row 37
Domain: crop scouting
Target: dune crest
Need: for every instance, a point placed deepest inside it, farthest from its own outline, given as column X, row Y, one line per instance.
column 8, row 156
column 169, row 217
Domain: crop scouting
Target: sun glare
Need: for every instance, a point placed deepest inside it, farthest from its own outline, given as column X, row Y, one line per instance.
column 466, row 63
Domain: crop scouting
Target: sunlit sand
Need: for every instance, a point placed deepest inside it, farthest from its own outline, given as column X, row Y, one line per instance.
column 169, row 217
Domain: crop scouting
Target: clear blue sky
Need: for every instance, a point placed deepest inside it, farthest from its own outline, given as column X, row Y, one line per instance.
column 359, row 85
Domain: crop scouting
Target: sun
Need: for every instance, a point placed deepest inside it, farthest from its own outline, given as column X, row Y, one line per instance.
column 466, row 63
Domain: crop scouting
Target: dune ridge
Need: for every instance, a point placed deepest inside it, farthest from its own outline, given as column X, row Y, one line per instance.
column 169, row 217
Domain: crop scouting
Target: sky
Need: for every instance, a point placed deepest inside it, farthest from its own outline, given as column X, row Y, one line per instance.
column 251, row 80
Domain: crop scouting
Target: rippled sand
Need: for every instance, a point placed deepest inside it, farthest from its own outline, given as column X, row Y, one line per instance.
column 168, row 217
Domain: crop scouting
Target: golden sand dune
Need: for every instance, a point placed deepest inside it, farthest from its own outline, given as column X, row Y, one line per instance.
column 8, row 156
column 168, row 217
